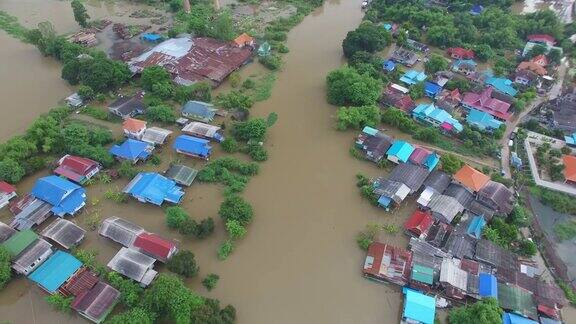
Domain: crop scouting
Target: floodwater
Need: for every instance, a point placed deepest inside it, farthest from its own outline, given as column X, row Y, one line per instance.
column 31, row 84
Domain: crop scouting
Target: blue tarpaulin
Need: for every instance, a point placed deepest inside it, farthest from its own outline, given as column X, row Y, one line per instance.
column 154, row 188
column 510, row 318
column 132, row 150
column 193, row 145
column 66, row 197
column 54, row 272
column 487, row 285
column 152, row 37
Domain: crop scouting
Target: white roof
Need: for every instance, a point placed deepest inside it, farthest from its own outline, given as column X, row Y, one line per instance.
column 399, row 88
column 156, row 135
column 403, row 191
column 175, row 47
column 202, row 129
column 132, row 264
column 425, row 197
column 451, row 273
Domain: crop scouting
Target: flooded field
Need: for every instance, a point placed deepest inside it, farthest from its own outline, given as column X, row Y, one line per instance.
column 299, row 262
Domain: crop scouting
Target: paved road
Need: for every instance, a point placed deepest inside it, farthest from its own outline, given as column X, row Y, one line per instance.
column 554, row 92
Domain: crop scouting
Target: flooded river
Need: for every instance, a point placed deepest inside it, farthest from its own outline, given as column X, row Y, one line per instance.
column 299, row 262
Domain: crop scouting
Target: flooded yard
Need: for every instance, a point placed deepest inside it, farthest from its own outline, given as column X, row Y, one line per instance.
column 299, row 262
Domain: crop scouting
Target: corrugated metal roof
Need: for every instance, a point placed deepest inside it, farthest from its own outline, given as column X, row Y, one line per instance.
column 19, row 242
column 423, row 274
column 64, row 232
column 55, row 271
column 419, row 307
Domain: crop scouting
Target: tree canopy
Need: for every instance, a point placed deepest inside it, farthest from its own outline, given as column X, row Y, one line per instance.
column 80, row 14
column 346, row 87
column 368, row 37
column 485, row 311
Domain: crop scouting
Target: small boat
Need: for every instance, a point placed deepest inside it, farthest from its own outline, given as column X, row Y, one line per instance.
column 364, row 4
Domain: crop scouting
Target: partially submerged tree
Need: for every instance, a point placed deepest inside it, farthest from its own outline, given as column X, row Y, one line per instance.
column 80, row 14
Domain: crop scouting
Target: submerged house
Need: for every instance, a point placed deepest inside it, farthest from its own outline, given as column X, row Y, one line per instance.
column 399, row 151
column 134, row 265
column 497, row 197
column 64, row 232
column 128, row 106
column 424, row 158
column 431, row 89
column 418, row 308
column 404, row 56
column 55, row 271
column 444, row 208
column 154, row 188
column 495, row 256
column 459, row 53
column 156, row 135
column 526, row 78
column 396, row 96
column 435, row 184
column 120, row 231
column 203, row 130
column 96, row 303
column 373, row 143
column 483, row 120
column 449, row 99
column 387, row 263
column 155, row 246
column 200, row 111
column 471, row 178
column 132, row 150
column 193, row 146
column 27, row 251
column 475, row 227
column 413, row 176
column 418, row 224
column 7, row 192
column 181, row 174
column 465, row 67
column 66, row 197
column 390, row 192
column 29, row 211
column 412, row 77
column 82, row 281
column 453, row 279
column 134, row 128
column 430, row 114
column 485, row 101
column 77, row 169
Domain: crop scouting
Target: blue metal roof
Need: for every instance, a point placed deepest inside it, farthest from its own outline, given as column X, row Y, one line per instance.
column 132, row 150
column 412, row 77
column 476, row 9
column 193, row 145
column 511, row 318
column 487, row 285
column 502, row 85
column 418, row 306
column 570, row 139
column 370, row 131
column 199, row 109
column 154, row 188
column 54, row 272
column 432, row 161
column 429, row 110
column 482, row 120
column 65, row 196
column 384, row 201
column 457, row 63
column 389, row 65
column 431, row 89
column 475, row 227
column 401, row 150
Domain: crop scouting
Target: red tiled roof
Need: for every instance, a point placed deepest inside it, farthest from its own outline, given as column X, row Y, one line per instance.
column 133, row 125
column 419, row 222
column 542, row 38
column 485, row 102
column 461, row 52
column 6, row 187
column 471, row 178
column 82, row 281
column 75, row 167
column 419, row 155
column 154, row 245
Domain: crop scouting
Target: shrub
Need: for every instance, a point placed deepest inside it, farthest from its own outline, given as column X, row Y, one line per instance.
column 5, row 268
column 60, row 303
column 229, row 145
column 205, row 228
column 257, row 153
column 127, row 170
column 235, row 229
column 183, row 263
column 358, row 117
column 188, row 227
column 272, row 62
column 236, row 208
column 175, row 216
column 210, row 281
column 225, row 249
column 161, row 113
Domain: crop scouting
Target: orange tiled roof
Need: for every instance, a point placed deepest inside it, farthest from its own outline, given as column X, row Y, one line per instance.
column 243, row 39
column 569, row 167
column 534, row 67
column 471, row 178
column 541, row 60
column 134, row 125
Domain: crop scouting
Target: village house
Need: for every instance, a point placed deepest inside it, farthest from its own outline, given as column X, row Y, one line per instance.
column 526, row 78
column 7, row 192
column 85, row 38
column 134, row 265
column 516, row 299
column 390, row 192
column 459, row 53
column 418, row 224
column 150, row 187
column 128, row 106
column 449, row 99
column 453, row 279
column 74, row 101
column 497, row 197
column 404, row 56
column 193, row 146
column 244, row 40
column 156, row 135
column 396, row 96
column 495, row 256
column 181, row 174
column 430, row 114
column 442, row 77
column 413, row 77
column 66, row 197
column 203, row 130
column 200, row 111
column 120, row 231
column 563, row 113
column 387, row 263
column 418, row 308
column 438, row 234
column 190, row 60
column 413, row 176
column 29, row 211
column 541, row 60
column 532, row 66
column 501, row 85
column 465, row 67
column 471, row 178
column 155, row 246
column 373, row 143
column 569, row 169
column 530, row 45
column 424, row 158
column 389, row 65
column 400, row 151
column 134, row 128
column 444, row 208
column 55, row 271
column 97, row 302
column 461, row 193
column 435, row 184
column 80, row 282
column 77, row 169
column 485, row 101
column 431, row 89
column 6, row 232
column 483, row 121
column 27, row 251
column 132, row 150
column 64, row 232
column 542, row 39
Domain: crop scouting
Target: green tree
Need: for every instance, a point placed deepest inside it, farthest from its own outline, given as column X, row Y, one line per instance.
column 358, row 117
column 229, row 145
column 11, row 171
column 200, row 91
column 133, row 316
column 60, row 303
column 435, row 63
column 86, row 93
column 205, row 228
column 152, row 75
column 484, row 52
column 271, row 119
column 235, row 229
column 253, row 129
column 236, row 208
column 527, row 248
column 80, row 14
column 5, row 269
column 175, row 216
column 428, row 134
column 485, row 311
column 127, row 170
column 450, row 163
column 555, row 56
column 235, row 100
column 183, row 263
column 368, row 37
column 417, row 91
column 188, row 227
column 348, row 88
column 161, row 113
column 225, row 249
column 130, row 291
column 223, row 26
column 210, row 281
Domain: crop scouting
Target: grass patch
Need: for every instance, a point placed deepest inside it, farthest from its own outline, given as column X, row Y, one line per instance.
column 11, row 25
column 264, row 86
column 566, row 230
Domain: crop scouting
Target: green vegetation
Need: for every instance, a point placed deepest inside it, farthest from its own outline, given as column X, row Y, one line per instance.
column 368, row 37
column 95, row 112
column 127, row 170
column 346, row 87
column 229, row 145
column 254, row 129
column 210, row 281
column 80, row 14
column 565, row 230
column 272, row 62
column 115, row 195
column 235, row 208
column 60, row 303
column 5, row 268
column 485, row 311
column 183, row 263
column 175, row 217
column 161, row 113
column 225, row 249
column 435, row 63
column 358, row 117
column 231, row 172
column 235, row 229
column 133, row 316
column 367, row 236
column 558, row 201
column 234, row 100
column 450, row 163
column 200, row 91
column 568, row 291
column 366, row 189
column 506, row 235
column 11, row 26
